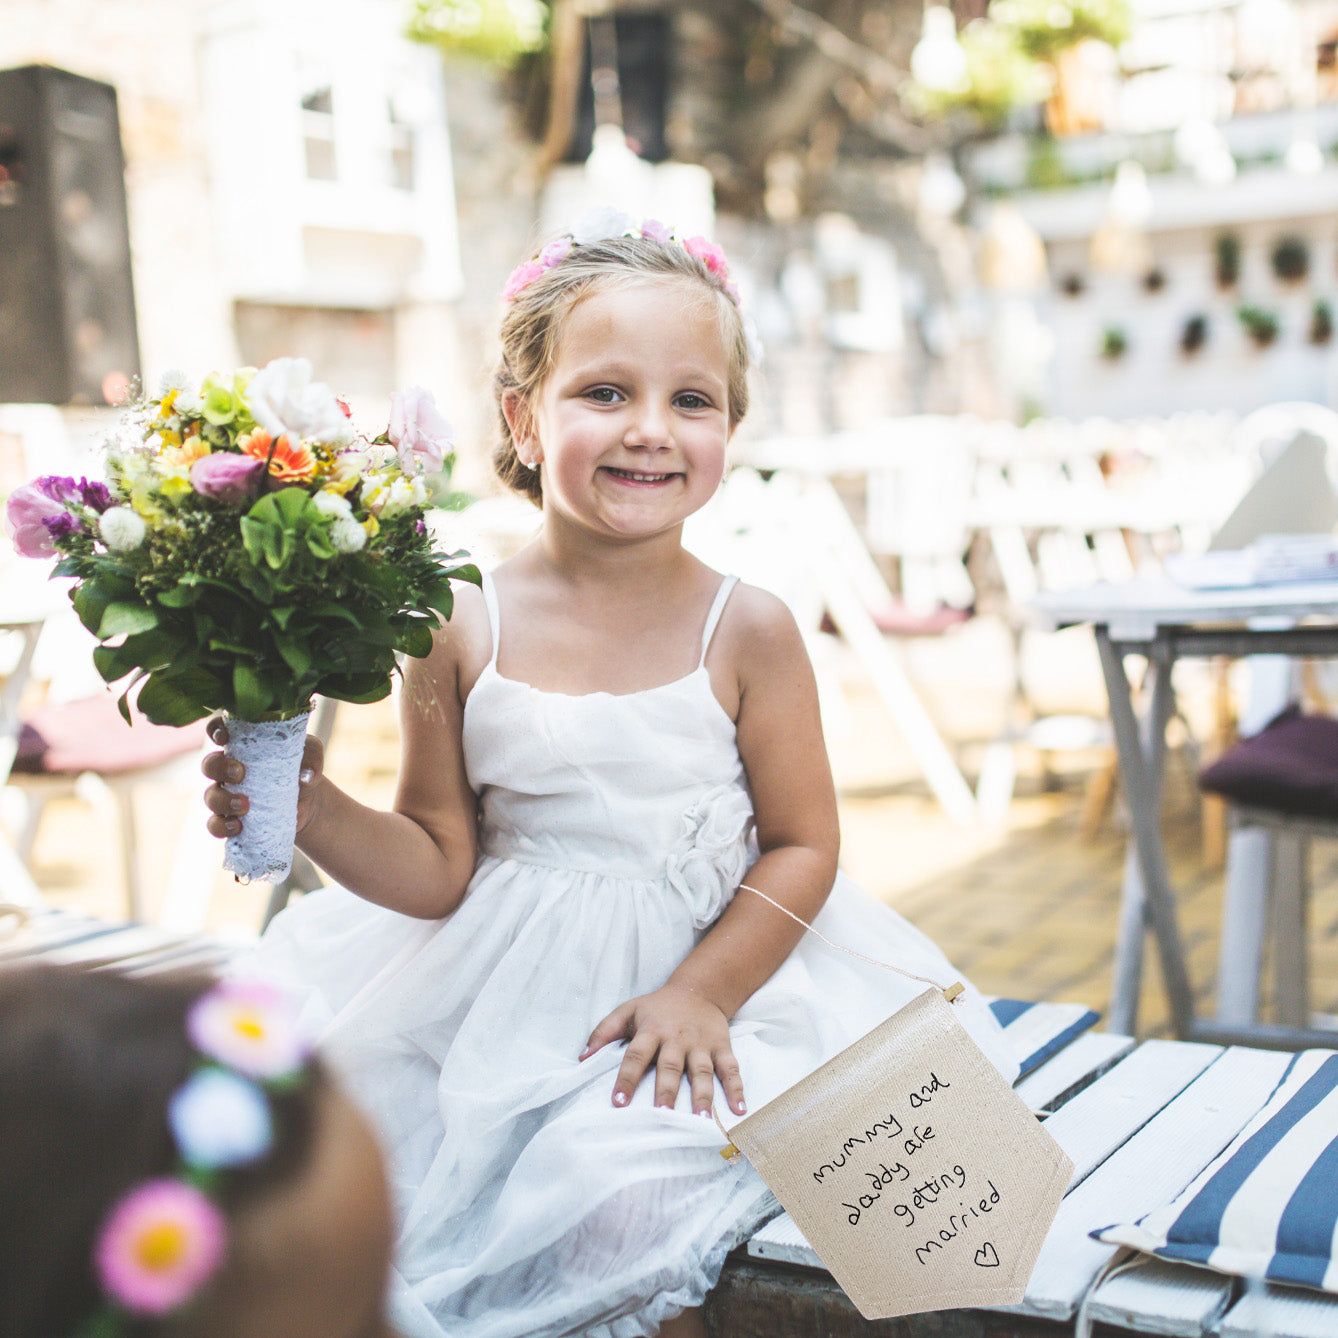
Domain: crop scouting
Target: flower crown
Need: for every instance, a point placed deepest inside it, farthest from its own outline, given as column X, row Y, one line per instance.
column 165, row 1238
column 599, row 224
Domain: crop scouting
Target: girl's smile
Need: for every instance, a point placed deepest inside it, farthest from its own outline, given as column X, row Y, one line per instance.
column 631, row 424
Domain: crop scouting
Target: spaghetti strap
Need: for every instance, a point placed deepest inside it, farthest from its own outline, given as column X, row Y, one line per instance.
column 713, row 617
column 494, row 616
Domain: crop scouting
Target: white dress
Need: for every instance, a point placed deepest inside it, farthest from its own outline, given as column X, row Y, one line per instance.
column 614, row 830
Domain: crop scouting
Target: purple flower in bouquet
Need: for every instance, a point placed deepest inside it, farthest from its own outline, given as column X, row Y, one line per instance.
column 96, row 495
column 27, row 512
column 63, row 525
column 417, row 430
column 226, row 477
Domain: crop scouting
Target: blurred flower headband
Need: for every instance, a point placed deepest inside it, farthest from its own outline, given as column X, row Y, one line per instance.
column 165, row 1238
column 597, row 225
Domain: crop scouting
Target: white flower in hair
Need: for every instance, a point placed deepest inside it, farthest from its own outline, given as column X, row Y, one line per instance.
column 603, row 221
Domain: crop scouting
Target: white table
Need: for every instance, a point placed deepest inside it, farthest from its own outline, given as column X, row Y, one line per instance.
column 1161, row 621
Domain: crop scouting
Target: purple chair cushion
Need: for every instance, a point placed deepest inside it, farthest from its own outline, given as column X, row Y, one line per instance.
column 1290, row 766
column 90, row 735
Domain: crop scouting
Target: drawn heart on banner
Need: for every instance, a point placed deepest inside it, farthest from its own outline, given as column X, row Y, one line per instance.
column 987, row 1256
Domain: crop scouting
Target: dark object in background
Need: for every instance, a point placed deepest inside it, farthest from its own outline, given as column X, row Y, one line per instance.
column 67, row 303
column 638, row 44
column 1194, row 334
column 1290, row 766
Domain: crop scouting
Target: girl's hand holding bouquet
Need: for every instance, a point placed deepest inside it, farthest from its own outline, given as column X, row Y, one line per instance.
column 249, row 550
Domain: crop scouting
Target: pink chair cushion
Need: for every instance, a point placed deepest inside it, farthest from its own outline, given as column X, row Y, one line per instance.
column 1290, row 766
column 90, row 735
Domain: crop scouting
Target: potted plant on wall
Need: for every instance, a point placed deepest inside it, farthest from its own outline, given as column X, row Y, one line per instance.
column 1194, row 334
column 1114, row 343
column 1260, row 324
column 1226, row 260
column 1290, row 260
column 1321, row 322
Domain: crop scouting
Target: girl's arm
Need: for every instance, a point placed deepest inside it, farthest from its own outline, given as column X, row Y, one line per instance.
column 418, row 858
column 684, row 1027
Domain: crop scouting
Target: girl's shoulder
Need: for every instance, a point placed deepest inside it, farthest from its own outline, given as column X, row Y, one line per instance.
column 758, row 632
column 464, row 641
column 753, row 611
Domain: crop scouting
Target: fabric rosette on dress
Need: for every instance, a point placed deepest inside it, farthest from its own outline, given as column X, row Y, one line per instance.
column 711, row 857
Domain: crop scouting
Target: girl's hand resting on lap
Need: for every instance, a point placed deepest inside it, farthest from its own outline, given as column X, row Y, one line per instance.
column 684, row 1035
column 227, row 807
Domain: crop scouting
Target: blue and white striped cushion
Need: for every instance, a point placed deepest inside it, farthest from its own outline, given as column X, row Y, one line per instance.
column 1267, row 1205
column 1035, row 1031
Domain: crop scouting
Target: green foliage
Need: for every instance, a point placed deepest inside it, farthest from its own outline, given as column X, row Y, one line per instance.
column 1042, row 29
column 1011, row 51
column 999, row 77
column 1260, row 324
column 1226, row 259
column 257, row 628
column 498, row 32
column 1321, row 322
column 1114, row 343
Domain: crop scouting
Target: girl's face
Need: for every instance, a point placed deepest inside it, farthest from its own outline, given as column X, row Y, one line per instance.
column 631, row 425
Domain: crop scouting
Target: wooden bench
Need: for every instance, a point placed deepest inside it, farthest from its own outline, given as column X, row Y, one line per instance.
column 1138, row 1120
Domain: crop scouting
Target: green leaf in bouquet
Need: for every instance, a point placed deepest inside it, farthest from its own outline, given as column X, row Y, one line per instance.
column 252, row 695
column 328, row 608
column 357, row 688
column 182, row 595
column 318, row 541
column 376, row 628
column 416, row 639
column 123, row 617
column 90, row 603
column 295, row 655
column 282, row 615
column 149, row 651
column 227, row 645
column 178, row 698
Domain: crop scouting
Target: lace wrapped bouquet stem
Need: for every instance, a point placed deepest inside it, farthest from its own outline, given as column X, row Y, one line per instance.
column 248, row 550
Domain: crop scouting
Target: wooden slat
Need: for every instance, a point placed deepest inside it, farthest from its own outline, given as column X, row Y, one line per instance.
column 1157, row 1162
column 1161, row 1297
column 1078, row 1064
column 1105, row 1115
column 782, row 1241
column 1281, row 1312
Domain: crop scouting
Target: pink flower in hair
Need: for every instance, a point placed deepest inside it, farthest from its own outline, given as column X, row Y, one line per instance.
column 521, row 278
column 709, row 254
column 250, row 1027
column 160, row 1244
column 555, row 253
column 655, row 231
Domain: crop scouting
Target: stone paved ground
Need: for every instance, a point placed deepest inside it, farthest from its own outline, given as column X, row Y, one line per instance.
column 1027, row 907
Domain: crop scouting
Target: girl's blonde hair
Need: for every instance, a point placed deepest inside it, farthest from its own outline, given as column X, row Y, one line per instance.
column 533, row 323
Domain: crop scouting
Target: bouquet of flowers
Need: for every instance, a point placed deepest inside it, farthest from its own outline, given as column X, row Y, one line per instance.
column 248, row 550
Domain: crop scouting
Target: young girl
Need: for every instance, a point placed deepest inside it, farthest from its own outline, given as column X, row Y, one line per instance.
column 176, row 1166
column 547, row 975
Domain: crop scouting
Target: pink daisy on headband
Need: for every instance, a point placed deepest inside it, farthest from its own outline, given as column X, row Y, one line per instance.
column 160, row 1244
column 555, row 252
column 709, row 254
column 521, row 278
column 250, row 1027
